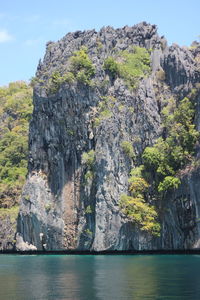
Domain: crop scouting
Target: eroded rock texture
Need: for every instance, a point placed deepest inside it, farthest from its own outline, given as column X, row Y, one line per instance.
column 60, row 207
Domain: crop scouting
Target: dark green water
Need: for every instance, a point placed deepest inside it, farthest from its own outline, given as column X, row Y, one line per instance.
column 151, row 277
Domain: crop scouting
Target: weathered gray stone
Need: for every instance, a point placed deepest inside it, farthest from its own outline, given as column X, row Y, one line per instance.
column 23, row 246
column 54, row 203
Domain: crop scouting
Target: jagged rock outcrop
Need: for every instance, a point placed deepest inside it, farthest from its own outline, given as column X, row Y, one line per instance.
column 8, row 231
column 65, row 207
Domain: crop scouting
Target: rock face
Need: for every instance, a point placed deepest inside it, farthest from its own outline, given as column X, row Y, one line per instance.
column 67, row 204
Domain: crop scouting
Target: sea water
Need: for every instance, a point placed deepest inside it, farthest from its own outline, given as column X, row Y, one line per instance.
column 91, row 277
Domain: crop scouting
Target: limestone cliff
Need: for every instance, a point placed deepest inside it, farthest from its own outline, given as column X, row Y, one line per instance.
column 69, row 202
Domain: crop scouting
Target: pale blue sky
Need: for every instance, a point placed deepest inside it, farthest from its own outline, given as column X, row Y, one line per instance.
column 26, row 26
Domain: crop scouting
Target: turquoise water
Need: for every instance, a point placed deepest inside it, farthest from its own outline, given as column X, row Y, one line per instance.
column 151, row 277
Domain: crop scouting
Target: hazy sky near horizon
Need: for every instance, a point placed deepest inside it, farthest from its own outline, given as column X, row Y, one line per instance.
column 26, row 26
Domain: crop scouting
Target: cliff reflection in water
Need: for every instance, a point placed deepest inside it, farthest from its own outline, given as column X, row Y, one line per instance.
column 99, row 277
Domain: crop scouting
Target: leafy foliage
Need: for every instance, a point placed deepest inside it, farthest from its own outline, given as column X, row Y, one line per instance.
column 128, row 149
column 141, row 213
column 169, row 182
column 88, row 159
column 12, row 213
column 56, row 80
column 81, row 66
column 89, row 175
column 138, row 185
column 135, row 206
column 15, row 113
column 111, row 66
column 130, row 65
column 135, row 65
column 104, row 109
column 161, row 163
column 88, row 210
column 177, row 148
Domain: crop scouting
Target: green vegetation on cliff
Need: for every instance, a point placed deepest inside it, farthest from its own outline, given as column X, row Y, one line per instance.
column 56, row 80
column 88, row 159
column 129, row 65
column 135, row 206
column 15, row 113
column 104, row 109
column 128, row 149
column 176, row 148
column 81, row 66
column 162, row 164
